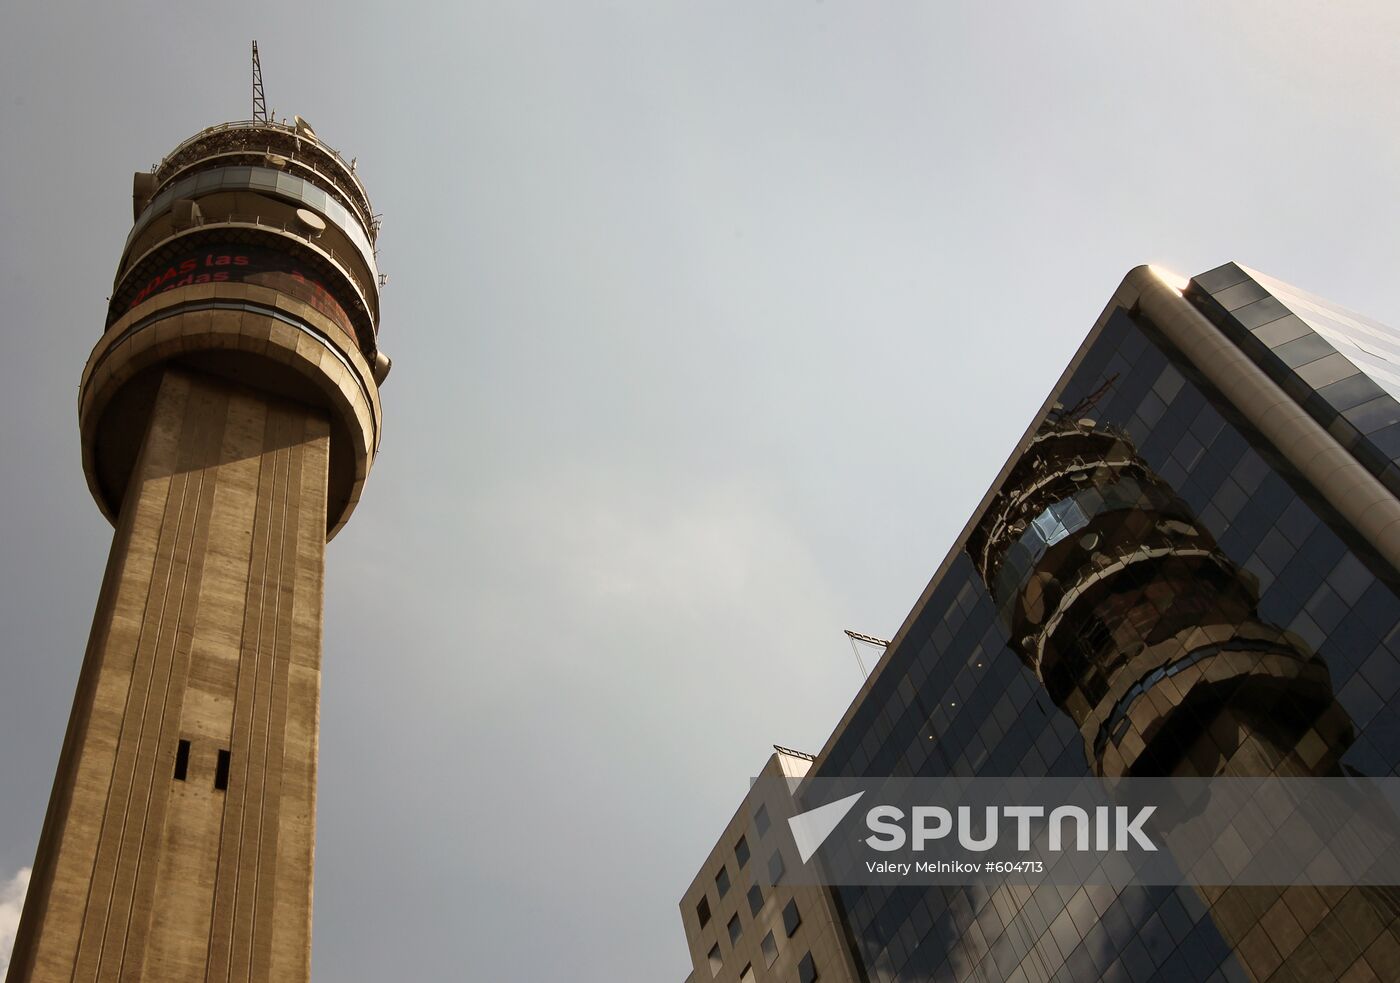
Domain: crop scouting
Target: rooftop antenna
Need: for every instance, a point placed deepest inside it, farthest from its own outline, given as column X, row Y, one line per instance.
column 856, row 636
column 259, row 97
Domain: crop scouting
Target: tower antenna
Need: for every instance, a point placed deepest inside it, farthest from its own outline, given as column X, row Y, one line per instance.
column 259, row 97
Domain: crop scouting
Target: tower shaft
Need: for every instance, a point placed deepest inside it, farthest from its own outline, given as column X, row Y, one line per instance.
column 195, row 864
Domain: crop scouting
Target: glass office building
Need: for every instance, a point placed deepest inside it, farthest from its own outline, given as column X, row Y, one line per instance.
column 1187, row 567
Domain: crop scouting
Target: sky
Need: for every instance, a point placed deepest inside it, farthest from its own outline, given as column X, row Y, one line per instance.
column 711, row 323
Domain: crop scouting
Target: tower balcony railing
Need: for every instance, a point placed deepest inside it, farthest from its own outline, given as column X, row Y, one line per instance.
column 251, row 156
column 239, row 134
column 343, row 260
column 286, row 188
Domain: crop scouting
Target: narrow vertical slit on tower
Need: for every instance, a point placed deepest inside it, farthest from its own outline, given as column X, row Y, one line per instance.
column 182, row 760
column 221, row 771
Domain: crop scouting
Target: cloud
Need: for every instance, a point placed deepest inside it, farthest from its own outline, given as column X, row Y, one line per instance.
column 11, row 901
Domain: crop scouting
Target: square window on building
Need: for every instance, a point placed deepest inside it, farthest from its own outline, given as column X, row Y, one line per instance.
column 735, row 930
column 769, row 948
column 746, row 974
column 722, row 882
column 775, row 867
column 806, row 970
column 716, row 961
column 755, row 899
column 702, row 911
column 761, row 822
column 741, row 852
column 791, row 918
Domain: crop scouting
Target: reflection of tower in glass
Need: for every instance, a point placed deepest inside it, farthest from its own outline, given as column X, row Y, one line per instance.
column 1139, row 626
column 229, row 417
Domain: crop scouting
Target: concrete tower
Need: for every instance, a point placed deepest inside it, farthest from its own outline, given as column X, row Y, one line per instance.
column 229, row 414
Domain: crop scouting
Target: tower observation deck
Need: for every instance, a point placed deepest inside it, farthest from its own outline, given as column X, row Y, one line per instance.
column 252, row 258
column 229, row 417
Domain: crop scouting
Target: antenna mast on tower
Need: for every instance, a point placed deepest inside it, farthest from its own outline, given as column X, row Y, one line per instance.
column 259, row 98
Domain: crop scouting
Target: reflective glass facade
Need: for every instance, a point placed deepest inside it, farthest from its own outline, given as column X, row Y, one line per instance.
column 1342, row 367
column 1153, row 589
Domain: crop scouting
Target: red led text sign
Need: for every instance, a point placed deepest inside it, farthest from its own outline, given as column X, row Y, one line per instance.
column 245, row 264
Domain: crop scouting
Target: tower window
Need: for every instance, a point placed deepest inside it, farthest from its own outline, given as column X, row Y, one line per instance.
column 722, row 882
column 741, row 851
column 702, row 911
column 807, row 970
column 221, row 771
column 735, row 930
column 182, row 760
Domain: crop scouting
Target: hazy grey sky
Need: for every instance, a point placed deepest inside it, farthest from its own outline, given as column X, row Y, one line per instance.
column 711, row 322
